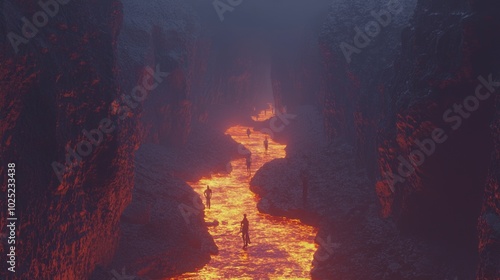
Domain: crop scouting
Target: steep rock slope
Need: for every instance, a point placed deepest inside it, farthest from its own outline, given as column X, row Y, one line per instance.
column 441, row 97
column 159, row 35
column 77, row 73
column 446, row 63
column 354, row 240
column 489, row 221
column 359, row 42
column 160, row 237
column 59, row 83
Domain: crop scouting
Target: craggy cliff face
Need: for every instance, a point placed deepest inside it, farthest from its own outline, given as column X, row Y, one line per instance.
column 82, row 73
column 489, row 221
column 427, row 123
column 441, row 108
column 60, row 82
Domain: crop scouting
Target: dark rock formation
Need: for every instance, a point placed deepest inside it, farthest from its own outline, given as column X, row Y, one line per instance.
column 158, row 239
column 446, row 48
column 442, row 52
column 72, row 75
column 489, row 221
column 357, row 68
column 160, row 35
column 355, row 241
column 58, row 84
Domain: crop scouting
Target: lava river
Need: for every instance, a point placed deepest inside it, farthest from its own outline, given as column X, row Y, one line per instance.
column 280, row 248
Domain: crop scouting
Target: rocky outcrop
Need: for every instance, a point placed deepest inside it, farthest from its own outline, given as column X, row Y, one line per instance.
column 278, row 182
column 489, row 220
column 355, row 241
column 82, row 68
column 160, row 35
column 60, row 82
column 429, row 160
column 442, row 84
column 160, row 236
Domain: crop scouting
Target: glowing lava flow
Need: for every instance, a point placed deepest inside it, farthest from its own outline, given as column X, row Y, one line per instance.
column 264, row 114
column 280, row 248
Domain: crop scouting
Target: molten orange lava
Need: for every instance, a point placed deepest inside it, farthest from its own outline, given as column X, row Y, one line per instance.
column 280, row 248
column 263, row 115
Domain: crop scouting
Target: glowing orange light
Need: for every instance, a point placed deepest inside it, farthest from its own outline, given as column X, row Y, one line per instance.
column 280, row 248
column 265, row 114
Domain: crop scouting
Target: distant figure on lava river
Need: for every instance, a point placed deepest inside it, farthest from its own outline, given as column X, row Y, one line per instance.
column 304, row 176
column 248, row 132
column 244, row 231
column 249, row 162
column 208, row 195
column 266, row 144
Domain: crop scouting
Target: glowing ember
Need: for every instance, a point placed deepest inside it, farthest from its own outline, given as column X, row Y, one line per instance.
column 280, row 248
column 264, row 115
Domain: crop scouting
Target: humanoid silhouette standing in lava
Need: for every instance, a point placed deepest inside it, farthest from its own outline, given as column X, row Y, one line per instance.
column 249, row 162
column 248, row 132
column 266, row 144
column 208, row 195
column 244, row 225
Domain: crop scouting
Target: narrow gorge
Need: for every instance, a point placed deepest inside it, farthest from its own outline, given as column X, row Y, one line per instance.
column 371, row 131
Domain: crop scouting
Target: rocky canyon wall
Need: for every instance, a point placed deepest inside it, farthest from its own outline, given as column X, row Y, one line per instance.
column 439, row 119
column 58, row 80
column 359, row 43
column 420, row 108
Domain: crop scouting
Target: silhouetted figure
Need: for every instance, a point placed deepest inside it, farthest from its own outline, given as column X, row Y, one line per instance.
column 266, row 144
column 208, row 195
column 304, row 176
column 249, row 162
column 248, row 132
column 244, row 231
